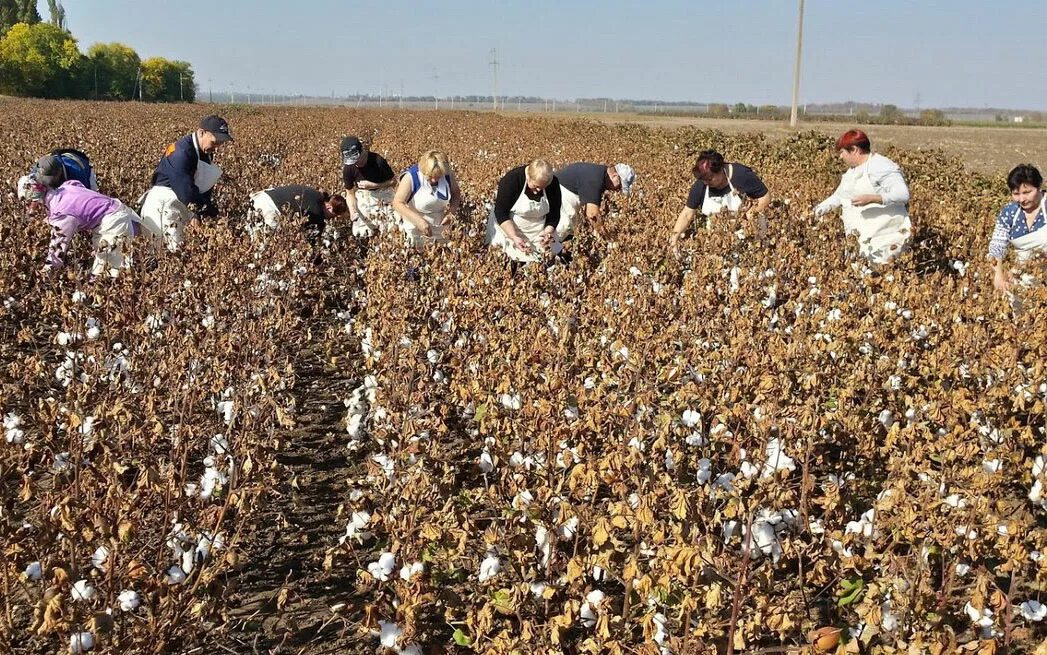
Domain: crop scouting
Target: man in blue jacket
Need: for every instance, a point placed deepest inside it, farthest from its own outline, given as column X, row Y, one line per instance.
column 183, row 182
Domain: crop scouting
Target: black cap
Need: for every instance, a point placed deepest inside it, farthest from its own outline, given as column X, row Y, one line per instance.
column 352, row 148
column 49, row 171
column 217, row 126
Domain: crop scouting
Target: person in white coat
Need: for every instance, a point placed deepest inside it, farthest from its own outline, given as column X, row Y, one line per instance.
column 874, row 200
column 426, row 199
column 721, row 186
column 1021, row 225
column 525, row 214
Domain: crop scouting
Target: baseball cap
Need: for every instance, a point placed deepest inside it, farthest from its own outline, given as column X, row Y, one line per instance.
column 217, row 126
column 352, row 148
column 627, row 175
column 49, row 171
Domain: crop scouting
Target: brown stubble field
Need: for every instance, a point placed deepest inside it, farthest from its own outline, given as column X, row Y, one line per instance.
column 989, row 150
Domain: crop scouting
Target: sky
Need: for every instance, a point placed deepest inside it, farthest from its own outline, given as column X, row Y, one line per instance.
column 912, row 53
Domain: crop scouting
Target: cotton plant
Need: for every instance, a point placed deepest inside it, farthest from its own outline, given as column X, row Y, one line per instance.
column 13, row 432
column 382, row 568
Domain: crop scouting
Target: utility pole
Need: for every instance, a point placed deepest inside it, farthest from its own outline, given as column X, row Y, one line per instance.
column 180, row 98
column 796, row 70
column 401, row 94
column 210, row 91
column 494, row 75
column 436, row 93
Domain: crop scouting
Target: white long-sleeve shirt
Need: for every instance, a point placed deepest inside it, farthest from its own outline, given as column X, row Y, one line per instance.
column 886, row 178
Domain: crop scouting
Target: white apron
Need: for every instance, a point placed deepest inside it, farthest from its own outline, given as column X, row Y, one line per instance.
column 883, row 231
column 164, row 217
column 570, row 207
column 730, row 201
column 431, row 202
column 265, row 209
column 1028, row 245
column 376, row 207
column 116, row 230
column 529, row 218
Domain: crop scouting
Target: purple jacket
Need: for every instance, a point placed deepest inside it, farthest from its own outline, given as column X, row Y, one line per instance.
column 72, row 208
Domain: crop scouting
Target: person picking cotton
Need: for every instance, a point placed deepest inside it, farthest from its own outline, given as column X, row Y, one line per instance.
column 74, row 209
column 184, row 179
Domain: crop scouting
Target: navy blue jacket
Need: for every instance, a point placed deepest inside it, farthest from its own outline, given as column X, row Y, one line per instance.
column 177, row 170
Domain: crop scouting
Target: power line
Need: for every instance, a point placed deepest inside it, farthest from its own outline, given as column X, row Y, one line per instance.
column 796, row 70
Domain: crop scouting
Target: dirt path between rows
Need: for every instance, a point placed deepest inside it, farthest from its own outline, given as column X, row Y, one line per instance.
column 289, row 597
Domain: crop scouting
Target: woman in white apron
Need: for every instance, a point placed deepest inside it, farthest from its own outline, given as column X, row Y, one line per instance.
column 164, row 207
column 1020, row 225
column 525, row 213
column 426, row 199
column 721, row 187
column 874, row 200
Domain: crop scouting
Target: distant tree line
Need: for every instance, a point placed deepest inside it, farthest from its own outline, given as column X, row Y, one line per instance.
column 42, row 59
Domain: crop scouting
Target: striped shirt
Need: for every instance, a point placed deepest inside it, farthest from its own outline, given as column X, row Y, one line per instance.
column 1010, row 225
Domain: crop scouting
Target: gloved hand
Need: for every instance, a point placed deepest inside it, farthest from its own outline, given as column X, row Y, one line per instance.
column 821, row 210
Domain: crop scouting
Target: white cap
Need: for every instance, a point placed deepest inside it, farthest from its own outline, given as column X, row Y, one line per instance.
column 627, row 176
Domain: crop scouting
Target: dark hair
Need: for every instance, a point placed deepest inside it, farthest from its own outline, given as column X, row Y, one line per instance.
column 338, row 205
column 709, row 161
column 852, row 138
column 1024, row 174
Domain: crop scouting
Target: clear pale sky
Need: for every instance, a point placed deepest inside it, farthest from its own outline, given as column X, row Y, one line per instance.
column 970, row 53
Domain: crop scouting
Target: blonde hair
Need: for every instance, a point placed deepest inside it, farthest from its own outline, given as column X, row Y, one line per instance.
column 434, row 164
column 540, row 171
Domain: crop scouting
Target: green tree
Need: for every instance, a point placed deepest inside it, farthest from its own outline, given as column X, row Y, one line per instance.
column 13, row 12
column 891, row 114
column 40, row 60
column 113, row 71
column 933, row 117
column 57, row 12
column 168, row 81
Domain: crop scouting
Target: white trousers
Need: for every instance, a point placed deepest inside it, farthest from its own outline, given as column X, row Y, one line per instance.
column 116, row 230
column 164, row 217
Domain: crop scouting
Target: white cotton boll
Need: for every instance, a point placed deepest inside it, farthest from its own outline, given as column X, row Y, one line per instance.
column 432, row 356
column 705, row 472
column 670, row 462
column 571, row 413
column 409, row 571
column 128, row 600
column 954, row 500
column 387, row 465
column 83, row 591
column 980, row 617
column 1038, row 466
column 538, row 589
column 390, row 633
column 636, row 444
column 1036, row 492
column 962, row 569
column 735, row 284
column 659, row 628
column 100, row 558
column 635, row 271
column 1033, row 610
column 568, row 529
column 357, row 527
column 81, row 642
column 33, row 572
column 691, row 418
column 489, row 567
column 992, row 465
column 381, row 570
column 175, row 575
column 777, row 460
column 79, row 297
column 748, row 470
column 889, row 620
column 886, row 419
column 523, row 500
column 588, row 611
column 589, row 383
column 208, row 321
column 486, row 462
column 93, row 333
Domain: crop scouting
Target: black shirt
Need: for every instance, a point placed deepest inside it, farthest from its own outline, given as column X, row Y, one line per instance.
column 584, row 180
column 513, row 184
column 375, row 170
column 303, row 201
column 744, row 179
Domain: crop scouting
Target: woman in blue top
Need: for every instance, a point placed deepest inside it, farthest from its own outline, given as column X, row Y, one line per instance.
column 1020, row 224
column 427, row 198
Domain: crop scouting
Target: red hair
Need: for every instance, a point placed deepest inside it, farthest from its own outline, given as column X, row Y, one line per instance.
column 852, row 138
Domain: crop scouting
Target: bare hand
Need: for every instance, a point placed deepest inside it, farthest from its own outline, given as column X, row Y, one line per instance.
column 866, row 199
column 1001, row 281
column 425, row 228
column 547, row 237
column 448, row 216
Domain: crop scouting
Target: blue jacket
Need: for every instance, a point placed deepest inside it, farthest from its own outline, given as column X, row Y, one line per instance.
column 177, row 170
